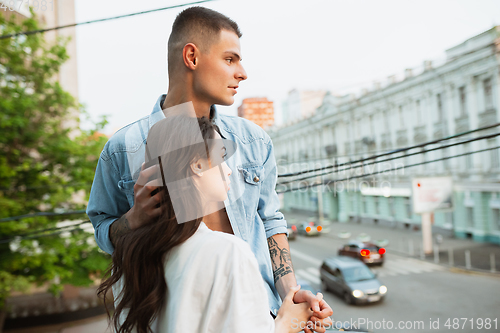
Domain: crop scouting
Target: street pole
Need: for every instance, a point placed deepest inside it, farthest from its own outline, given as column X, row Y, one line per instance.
column 320, row 201
column 427, row 233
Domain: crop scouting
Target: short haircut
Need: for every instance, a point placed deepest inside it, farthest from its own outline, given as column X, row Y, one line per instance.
column 200, row 26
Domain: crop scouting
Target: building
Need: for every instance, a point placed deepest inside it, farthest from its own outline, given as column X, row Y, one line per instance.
column 301, row 104
column 51, row 14
column 257, row 110
column 430, row 103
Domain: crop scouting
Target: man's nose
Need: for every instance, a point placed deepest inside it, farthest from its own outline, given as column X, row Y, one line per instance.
column 242, row 74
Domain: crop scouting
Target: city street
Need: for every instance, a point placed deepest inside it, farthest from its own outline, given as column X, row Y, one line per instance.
column 418, row 291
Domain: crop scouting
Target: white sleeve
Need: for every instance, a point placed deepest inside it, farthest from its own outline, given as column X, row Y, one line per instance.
column 244, row 307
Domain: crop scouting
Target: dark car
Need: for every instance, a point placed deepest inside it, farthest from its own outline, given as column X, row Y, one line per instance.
column 310, row 228
column 352, row 280
column 369, row 253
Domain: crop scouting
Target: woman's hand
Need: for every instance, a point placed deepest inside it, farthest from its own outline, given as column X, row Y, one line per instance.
column 292, row 317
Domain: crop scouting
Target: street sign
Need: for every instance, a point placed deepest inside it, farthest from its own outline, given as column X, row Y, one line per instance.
column 431, row 194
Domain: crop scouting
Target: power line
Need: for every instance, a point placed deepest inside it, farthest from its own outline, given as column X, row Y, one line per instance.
column 394, row 158
column 32, row 32
column 16, row 238
column 14, row 218
column 393, row 169
column 391, row 152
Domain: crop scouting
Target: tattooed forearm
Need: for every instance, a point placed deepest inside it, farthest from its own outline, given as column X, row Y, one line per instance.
column 118, row 228
column 280, row 258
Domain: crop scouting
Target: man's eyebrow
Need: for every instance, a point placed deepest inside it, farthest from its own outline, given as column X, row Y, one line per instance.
column 235, row 54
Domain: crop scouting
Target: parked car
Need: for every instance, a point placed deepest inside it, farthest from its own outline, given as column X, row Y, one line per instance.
column 369, row 253
column 292, row 231
column 310, row 228
column 352, row 280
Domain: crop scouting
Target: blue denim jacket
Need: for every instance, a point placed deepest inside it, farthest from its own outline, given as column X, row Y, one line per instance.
column 252, row 205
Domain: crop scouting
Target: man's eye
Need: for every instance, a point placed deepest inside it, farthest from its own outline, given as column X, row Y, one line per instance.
column 229, row 60
column 224, row 156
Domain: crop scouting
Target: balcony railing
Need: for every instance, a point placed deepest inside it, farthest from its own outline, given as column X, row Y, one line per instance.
column 419, row 134
column 440, row 130
column 402, row 137
column 385, row 141
column 331, row 150
column 488, row 117
column 461, row 124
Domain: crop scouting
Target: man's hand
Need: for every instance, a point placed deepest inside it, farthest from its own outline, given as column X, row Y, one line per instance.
column 145, row 209
column 321, row 311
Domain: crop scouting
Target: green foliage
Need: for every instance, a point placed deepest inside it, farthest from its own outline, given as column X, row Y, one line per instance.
column 45, row 160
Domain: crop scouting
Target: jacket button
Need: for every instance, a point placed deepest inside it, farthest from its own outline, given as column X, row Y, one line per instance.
column 256, row 179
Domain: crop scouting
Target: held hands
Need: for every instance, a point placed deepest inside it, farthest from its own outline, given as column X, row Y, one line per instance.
column 146, row 207
column 321, row 311
column 291, row 315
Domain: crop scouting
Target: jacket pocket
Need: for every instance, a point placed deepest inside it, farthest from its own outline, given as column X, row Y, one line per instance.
column 127, row 187
column 253, row 175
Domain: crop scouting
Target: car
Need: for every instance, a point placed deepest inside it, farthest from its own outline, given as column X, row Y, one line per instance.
column 310, row 228
column 369, row 253
column 292, row 231
column 352, row 280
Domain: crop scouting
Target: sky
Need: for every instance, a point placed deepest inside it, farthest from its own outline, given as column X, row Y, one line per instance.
column 340, row 46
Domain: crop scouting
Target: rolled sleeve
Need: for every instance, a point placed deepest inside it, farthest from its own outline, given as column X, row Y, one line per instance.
column 106, row 202
column 269, row 203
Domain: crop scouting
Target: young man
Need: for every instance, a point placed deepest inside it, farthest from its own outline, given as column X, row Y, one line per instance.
column 204, row 68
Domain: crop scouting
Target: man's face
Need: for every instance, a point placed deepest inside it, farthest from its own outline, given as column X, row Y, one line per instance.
column 220, row 71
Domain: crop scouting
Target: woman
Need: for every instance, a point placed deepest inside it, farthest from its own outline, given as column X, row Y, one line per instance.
column 176, row 274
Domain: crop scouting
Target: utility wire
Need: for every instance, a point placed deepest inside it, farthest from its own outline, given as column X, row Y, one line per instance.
column 393, row 169
column 32, row 32
column 391, row 152
column 14, row 218
column 3, row 241
column 394, row 158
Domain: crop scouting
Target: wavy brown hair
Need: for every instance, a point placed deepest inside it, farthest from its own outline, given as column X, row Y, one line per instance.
column 139, row 255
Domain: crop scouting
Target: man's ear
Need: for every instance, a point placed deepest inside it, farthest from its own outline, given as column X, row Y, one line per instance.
column 190, row 55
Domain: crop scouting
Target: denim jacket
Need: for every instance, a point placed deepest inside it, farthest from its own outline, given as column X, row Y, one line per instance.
column 252, row 204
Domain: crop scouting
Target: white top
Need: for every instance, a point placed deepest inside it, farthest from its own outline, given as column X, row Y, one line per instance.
column 214, row 285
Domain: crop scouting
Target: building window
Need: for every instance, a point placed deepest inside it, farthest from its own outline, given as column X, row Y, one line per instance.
column 463, row 101
column 488, row 96
column 470, row 217
column 376, row 202
column 418, row 112
column 440, row 107
column 493, row 154
column 365, row 204
column 496, row 218
column 468, row 158
column 401, row 117
column 409, row 208
column 446, row 162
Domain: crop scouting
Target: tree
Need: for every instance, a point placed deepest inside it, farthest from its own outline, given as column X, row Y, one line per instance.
column 43, row 163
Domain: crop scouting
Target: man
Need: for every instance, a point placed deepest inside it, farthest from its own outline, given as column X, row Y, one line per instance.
column 204, row 68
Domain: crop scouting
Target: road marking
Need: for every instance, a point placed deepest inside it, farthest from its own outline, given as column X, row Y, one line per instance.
column 305, row 257
column 308, row 276
column 313, row 271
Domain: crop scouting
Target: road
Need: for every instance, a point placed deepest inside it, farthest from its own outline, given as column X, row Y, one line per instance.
column 418, row 292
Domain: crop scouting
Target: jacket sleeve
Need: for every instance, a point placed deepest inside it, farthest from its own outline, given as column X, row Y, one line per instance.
column 269, row 203
column 106, row 202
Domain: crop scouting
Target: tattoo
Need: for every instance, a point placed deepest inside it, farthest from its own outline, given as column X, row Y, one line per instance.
column 118, row 228
column 281, row 259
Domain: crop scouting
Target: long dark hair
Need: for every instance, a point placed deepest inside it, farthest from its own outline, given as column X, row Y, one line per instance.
column 139, row 255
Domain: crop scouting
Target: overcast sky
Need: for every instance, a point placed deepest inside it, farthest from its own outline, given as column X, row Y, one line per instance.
column 332, row 45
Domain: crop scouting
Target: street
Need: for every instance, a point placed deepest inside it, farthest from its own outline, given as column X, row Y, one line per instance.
column 418, row 292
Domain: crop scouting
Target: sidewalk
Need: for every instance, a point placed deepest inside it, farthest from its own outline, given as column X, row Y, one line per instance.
column 407, row 241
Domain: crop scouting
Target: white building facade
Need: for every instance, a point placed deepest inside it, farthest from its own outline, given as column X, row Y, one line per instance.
column 459, row 95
